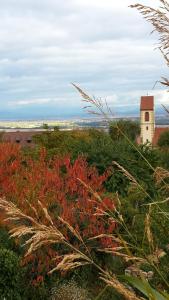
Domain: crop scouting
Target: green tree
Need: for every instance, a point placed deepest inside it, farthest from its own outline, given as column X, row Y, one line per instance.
column 45, row 126
column 117, row 130
column 164, row 139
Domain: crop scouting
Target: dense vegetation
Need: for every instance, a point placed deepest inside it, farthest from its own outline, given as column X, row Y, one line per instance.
column 164, row 139
column 87, row 181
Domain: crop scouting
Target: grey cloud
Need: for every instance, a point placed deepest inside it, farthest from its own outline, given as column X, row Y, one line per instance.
column 45, row 45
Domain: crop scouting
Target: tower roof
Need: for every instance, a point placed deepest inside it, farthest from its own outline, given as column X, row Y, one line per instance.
column 147, row 103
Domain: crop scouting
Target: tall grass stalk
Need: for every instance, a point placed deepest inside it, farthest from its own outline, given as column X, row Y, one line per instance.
column 37, row 235
column 104, row 111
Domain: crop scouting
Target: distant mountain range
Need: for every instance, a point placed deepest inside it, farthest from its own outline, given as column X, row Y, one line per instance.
column 37, row 113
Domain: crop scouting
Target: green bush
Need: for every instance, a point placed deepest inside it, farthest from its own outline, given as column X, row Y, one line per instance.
column 36, row 293
column 117, row 130
column 5, row 241
column 10, row 276
column 164, row 139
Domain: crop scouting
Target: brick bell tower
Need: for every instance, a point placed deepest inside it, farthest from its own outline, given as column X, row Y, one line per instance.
column 147, row 119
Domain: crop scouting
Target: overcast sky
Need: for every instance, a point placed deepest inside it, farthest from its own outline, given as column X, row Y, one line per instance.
column 104, row 46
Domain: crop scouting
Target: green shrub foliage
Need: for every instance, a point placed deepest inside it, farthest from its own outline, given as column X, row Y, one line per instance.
column 164, row 139
column 118, row 130
column 10, row 276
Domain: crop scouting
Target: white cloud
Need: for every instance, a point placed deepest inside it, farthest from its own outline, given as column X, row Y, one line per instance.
column 31, row 101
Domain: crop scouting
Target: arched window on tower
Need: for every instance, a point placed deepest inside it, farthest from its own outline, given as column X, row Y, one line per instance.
column 147, row 117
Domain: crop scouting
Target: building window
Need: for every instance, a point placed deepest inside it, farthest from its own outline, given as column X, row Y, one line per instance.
column 29, row 141
column 147, row 117
column 17, row 141
column 146, row 127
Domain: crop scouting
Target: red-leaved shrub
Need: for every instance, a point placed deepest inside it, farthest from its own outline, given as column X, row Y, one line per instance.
column 72, row 191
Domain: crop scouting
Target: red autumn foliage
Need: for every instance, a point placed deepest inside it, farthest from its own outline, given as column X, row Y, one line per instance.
column 56, row 184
